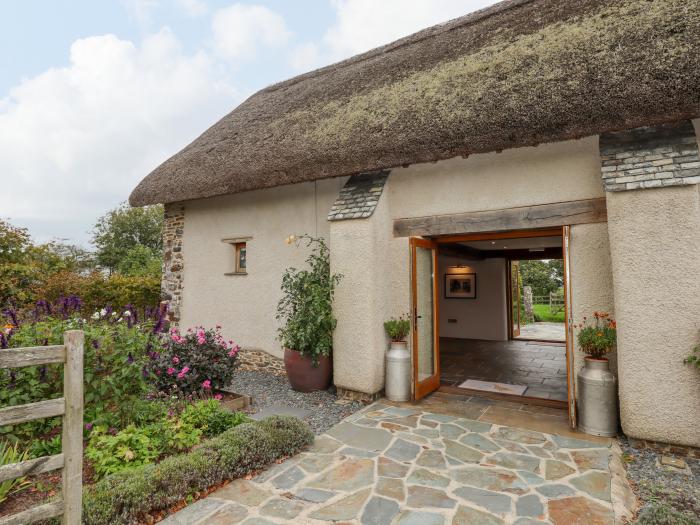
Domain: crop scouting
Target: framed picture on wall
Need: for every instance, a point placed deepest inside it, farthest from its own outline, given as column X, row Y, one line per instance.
column 460, row 286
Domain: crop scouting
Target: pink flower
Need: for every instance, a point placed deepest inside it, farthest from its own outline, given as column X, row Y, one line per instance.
column 206, row 384
column 201, row 340
column 234, row 351
column 218, row 397
column 183, row 372
column 176, row 359
column 171, row 371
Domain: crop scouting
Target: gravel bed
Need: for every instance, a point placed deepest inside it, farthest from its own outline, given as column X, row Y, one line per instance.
column 269, row 390
column 666, row 495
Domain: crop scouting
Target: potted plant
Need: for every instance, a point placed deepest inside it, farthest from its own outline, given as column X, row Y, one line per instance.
column 597, row 387
column 398, row 361
column 306, row 311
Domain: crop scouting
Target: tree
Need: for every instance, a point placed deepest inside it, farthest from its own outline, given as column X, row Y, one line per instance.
column 542, row 276
column 140, row 261
column 14, row 243
column 121, row 229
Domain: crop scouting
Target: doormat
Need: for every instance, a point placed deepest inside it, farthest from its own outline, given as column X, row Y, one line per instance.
column 488, row 386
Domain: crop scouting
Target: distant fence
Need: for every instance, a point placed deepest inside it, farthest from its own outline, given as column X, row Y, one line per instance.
column 554, row 300
column 70, row 406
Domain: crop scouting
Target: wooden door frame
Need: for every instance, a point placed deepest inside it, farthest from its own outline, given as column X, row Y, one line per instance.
column 509, row 298
column 422, row 388
column 558, row 231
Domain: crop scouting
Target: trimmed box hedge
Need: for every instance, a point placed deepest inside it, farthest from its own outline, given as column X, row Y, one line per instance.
column 127, row 496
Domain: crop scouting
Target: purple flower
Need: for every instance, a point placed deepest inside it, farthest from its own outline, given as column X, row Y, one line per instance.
column 88, row 426
column 130, row 358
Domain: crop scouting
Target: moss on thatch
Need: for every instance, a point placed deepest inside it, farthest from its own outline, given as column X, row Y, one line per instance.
column 518, row 74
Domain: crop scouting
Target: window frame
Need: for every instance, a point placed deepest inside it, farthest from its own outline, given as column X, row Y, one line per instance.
column 238, row 244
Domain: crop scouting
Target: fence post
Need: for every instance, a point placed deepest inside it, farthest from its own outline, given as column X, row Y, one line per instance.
column 73, row 428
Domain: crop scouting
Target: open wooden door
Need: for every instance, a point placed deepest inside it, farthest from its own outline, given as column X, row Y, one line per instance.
column 514, row 298
column 424, row 292
column 568, row 317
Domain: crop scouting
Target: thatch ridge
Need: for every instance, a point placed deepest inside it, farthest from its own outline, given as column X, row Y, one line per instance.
column 520, row 73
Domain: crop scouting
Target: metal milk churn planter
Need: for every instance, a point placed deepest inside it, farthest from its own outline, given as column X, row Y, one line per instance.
column 597, row 398
column 398, row 369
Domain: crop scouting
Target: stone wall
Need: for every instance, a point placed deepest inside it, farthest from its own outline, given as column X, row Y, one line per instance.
column 650, row 157
column 173, row 260
column 257, row 360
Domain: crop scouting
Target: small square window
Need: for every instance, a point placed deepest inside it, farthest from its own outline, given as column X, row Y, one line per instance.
column 240, row 252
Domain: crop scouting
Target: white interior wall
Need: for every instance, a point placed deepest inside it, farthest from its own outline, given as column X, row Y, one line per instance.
column 485, row 317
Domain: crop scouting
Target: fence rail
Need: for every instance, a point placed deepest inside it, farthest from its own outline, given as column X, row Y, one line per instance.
column 70, row 406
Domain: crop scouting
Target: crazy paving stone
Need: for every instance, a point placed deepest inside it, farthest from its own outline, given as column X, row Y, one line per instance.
column 555, row 491
column 379, row 511
column 365, row 422
column 392, row 427
column 432, row 459
column 427, row 477
column 539, row 452
column 350, row 451
column 403, row 451
column 427, row 423
column 413, row 438
column 529, row 505
column 591, row 459
column 440, row 418
column 427, row 432
column 490, row 479
column 594, row 483
column 562, row 456
column 351, row 474
column 554, row 469
column 492, row 501
column 531, row 478
column 417, row 517
column 347, row 508
column 450, row 431
column 316, row 462
column 289, row 478
column 401, row 412
column 518, row 435
column 512, row 446
column 528, row 521
column 408, row 421
column 515, row 461
column 361, row 437
column 258, row 521
column 325, row 445
column 274, row 470
column 567, row 442
column 194, row 513
column 479, row 442
column 391, row 488
column 579, row 511
column 227, row 515
column 243, row 492
column 474, row 426
column 419, row 497
column 314, row 495
column 462, row 453
column 469, row 516
column 391, row 469
column 282, row 508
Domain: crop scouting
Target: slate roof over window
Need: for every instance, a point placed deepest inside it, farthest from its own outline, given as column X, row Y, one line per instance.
column 359, row 197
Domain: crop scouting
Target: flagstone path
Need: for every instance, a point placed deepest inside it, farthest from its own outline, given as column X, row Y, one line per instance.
column 405, row 466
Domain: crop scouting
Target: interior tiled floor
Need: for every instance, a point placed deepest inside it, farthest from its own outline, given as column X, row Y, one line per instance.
column 539, row 366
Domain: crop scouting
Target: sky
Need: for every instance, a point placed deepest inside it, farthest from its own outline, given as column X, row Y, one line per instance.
column 96, row 94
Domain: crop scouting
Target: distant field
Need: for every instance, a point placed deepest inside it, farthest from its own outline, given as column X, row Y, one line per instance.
column 543, row 314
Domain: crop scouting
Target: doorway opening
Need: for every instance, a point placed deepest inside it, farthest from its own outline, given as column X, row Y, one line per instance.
column 492, row 308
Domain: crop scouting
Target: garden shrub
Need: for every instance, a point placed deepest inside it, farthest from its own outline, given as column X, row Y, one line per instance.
column 661, row 514
column 210, row 417
column 125, row 497
column 197, row 361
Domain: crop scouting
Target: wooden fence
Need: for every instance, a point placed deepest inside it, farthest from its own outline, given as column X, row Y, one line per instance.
column 70, row 406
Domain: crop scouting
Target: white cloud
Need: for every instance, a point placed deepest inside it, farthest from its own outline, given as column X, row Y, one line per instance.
column 239, row 30
column 361, row 25
column 75, row 140
column 193, row 7
column 141, row 11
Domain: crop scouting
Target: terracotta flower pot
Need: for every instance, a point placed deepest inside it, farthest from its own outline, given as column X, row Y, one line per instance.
column 303, row 376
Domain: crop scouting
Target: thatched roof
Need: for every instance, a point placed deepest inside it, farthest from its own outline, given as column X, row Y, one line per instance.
column 520, row 73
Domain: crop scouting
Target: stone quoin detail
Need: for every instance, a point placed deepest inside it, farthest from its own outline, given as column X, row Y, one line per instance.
column 359, row 197
column 650, row 157
column 173, row 260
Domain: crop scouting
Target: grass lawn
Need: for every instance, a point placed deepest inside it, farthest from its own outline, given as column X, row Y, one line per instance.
column 543, row 313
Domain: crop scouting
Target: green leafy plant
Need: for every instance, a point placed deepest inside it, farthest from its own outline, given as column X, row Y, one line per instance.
column 210, row 417
column 126, row 497
column 599, row 337
column 11, row 454
column 694, row 358
column 306, row 307
column 397, row 329
column 45, row 447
